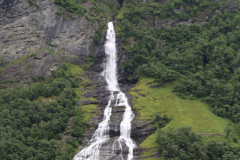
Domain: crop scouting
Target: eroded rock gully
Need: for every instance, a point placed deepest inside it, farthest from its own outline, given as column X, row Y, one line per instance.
column 140, row 130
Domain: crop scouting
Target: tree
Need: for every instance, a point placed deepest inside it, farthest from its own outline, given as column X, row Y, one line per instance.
column 228, row 131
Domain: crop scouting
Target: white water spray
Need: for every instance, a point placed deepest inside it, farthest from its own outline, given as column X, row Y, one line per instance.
column 101, row 134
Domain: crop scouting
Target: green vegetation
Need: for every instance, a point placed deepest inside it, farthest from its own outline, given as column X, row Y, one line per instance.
column 160, row 101
column 174, row 112
column 33, row 118
column 99, row 32
column 88, row 111
column 196, row 67
column 197, row 62
column 72, row 6
column 33, row 2
column 181, row 144
column 99, row 11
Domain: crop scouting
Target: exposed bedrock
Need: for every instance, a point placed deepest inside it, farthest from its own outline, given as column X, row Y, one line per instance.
column 41, row 64
column 6, row 4
column 24, row 29
column 140, row 130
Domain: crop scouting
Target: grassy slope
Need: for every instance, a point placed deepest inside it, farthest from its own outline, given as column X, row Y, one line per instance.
column 183, row 111
column 78, row 73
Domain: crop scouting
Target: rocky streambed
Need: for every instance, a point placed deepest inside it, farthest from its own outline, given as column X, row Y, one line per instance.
column 140, row 129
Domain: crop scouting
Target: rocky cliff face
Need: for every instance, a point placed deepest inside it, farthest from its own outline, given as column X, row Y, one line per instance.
column 25, row 70
column 24, row 29
column 5, row 4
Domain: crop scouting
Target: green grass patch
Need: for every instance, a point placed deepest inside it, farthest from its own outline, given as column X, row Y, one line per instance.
column 120, row 13
column 183, row 111
column 75, row 70
column 153, row 101
column 151, row 146
column 89, row 111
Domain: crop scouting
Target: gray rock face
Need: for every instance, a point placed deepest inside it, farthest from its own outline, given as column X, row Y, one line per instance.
column 41, row 64
column 5, row 4
column 111, row 149
column 24, row 29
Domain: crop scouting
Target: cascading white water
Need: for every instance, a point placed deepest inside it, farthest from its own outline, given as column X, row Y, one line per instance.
column 125, row 126
column 101, row 134
column 110, row 72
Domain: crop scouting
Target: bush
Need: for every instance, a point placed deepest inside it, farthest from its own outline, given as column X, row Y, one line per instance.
column 179, row 144
column 72, row 6
column 98, row 36
column 235, row 140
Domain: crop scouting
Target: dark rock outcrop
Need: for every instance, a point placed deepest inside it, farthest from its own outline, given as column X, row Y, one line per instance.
column 40, row 65
column 6, row 4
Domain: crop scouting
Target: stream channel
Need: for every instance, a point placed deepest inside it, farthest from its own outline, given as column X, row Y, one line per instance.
column 116, row 99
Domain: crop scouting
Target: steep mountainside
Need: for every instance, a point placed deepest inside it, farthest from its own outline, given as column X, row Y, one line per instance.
column 26, row 28
column 177, row 61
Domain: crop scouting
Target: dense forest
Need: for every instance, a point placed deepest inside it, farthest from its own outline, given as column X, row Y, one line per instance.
column 181, row 144
column 33, row 118
column 201, row 59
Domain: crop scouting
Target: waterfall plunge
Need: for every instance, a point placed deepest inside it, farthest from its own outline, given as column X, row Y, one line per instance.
column 101, row 134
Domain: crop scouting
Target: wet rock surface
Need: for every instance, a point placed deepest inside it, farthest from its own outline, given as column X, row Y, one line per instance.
column 110, row 150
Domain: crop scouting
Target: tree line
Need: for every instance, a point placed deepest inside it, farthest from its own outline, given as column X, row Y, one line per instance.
column 181, row 144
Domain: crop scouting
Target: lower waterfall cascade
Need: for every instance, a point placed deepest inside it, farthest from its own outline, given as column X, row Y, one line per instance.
column 101, row 135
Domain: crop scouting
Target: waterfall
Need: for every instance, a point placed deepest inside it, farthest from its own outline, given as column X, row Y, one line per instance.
column 101, row 135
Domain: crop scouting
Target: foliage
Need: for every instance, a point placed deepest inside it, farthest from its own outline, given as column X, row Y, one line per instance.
column 181, row 144
column 203, row 59
column 162, row 121
column 33, row 2
column 152, row 99
column 214, row 57
column 228, row 131
column 99, row 32
column 73, row 6
column 29, row 126
column 99, row 11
